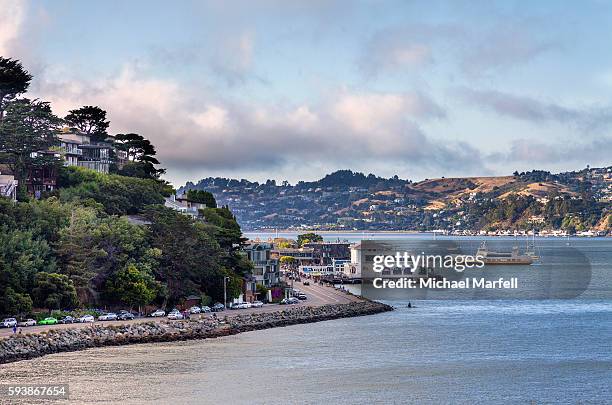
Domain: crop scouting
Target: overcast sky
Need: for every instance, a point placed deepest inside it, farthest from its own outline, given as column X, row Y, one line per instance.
column 294, row 90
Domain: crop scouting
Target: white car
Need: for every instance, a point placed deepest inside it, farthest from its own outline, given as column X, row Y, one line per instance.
column 87, row 319
column 27, row 322
column 159, row 312
column 195, row 310
column 108, row 317
column 257, row 304
column 175, row 315
column 9, row 323
column 205, row 308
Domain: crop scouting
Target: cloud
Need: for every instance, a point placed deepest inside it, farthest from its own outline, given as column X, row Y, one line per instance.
column 405, row 48
column 595, row 152
column 532, row 110
column 12, row 14
column 473, row 51
column 502, row 48
column 193, row 130
column 232, row 60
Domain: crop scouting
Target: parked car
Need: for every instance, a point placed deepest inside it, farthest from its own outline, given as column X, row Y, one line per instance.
column 306, row 282
column 9, row 322
column 67, row 319
column 48, row 321
column 218, row 307
column 257, row 304
column 159, row 312
column 87, row 319
column 27, row 322
column 125, row 316
column 301, row 297
column 293, row 300
column 175, row 315
column 206, row 308
column 195, row 310
column 111, row 316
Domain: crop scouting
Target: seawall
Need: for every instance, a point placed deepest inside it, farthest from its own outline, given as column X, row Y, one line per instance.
column 31, row 345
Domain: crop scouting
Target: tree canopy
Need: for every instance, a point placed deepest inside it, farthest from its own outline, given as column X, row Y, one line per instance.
column 28, row 127
column 202, row 197
column 14, row 80
column 90, row 120
column 308, row 237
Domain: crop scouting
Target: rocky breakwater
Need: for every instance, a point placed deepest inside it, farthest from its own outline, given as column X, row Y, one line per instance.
column 27, row 346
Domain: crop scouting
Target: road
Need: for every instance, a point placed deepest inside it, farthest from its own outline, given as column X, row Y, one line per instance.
column 317, row 295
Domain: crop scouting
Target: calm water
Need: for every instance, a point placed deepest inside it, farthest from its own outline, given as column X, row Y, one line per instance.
column 442, row 351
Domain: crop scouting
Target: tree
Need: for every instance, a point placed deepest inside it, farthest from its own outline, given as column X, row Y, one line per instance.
column 28, row 127
column 262, row 291
column 14, row 80
column 202, row 197
column 133, row 286
column 90, row 120
column 141, row 154
column 76, row 249
column 21, row 257
column 54, row 291
column 13, row 303
column 288, row 261
column 190, row 258
column 308, row 238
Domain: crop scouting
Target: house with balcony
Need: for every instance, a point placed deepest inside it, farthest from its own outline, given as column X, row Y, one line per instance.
column 265, row 267
column 78, row 150
column 42, row 178
column 184, row 205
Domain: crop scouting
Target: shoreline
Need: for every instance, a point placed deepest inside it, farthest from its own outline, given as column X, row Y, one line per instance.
column 409, row 232
column 33, row 345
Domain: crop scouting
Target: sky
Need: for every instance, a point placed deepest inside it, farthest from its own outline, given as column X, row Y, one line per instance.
column 293, row 90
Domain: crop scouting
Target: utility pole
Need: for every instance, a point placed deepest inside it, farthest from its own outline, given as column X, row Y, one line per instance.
column 225, row 279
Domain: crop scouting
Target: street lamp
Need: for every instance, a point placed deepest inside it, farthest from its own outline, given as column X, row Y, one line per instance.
column 225, row 280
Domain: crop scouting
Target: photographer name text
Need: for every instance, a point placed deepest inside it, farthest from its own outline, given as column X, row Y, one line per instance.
column 467, row 283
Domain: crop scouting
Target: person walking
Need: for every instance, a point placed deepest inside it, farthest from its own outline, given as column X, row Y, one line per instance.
column 14, row 328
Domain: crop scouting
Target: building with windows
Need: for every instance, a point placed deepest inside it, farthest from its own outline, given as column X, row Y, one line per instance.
column 184, row 206
column 42, row 177
column 78, row 150
column 324, row 253
column 8, row 186
column 302, row 256
column 266, row 269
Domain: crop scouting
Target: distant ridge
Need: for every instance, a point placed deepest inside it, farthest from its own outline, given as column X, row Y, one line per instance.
column 346, row 200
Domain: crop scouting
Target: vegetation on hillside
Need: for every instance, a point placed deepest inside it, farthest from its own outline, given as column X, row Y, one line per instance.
column 79, row 245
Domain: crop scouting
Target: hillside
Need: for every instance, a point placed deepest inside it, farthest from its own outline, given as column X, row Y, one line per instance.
column 573, row 201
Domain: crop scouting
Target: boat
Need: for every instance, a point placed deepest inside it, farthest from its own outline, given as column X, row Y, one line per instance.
column 514, row 257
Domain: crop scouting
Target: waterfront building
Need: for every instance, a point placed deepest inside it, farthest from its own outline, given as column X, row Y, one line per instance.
column 338, row 265
column 352, row 269
column 317, row 271
column 266, row 269
column 303, row 256
column 325, row 252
